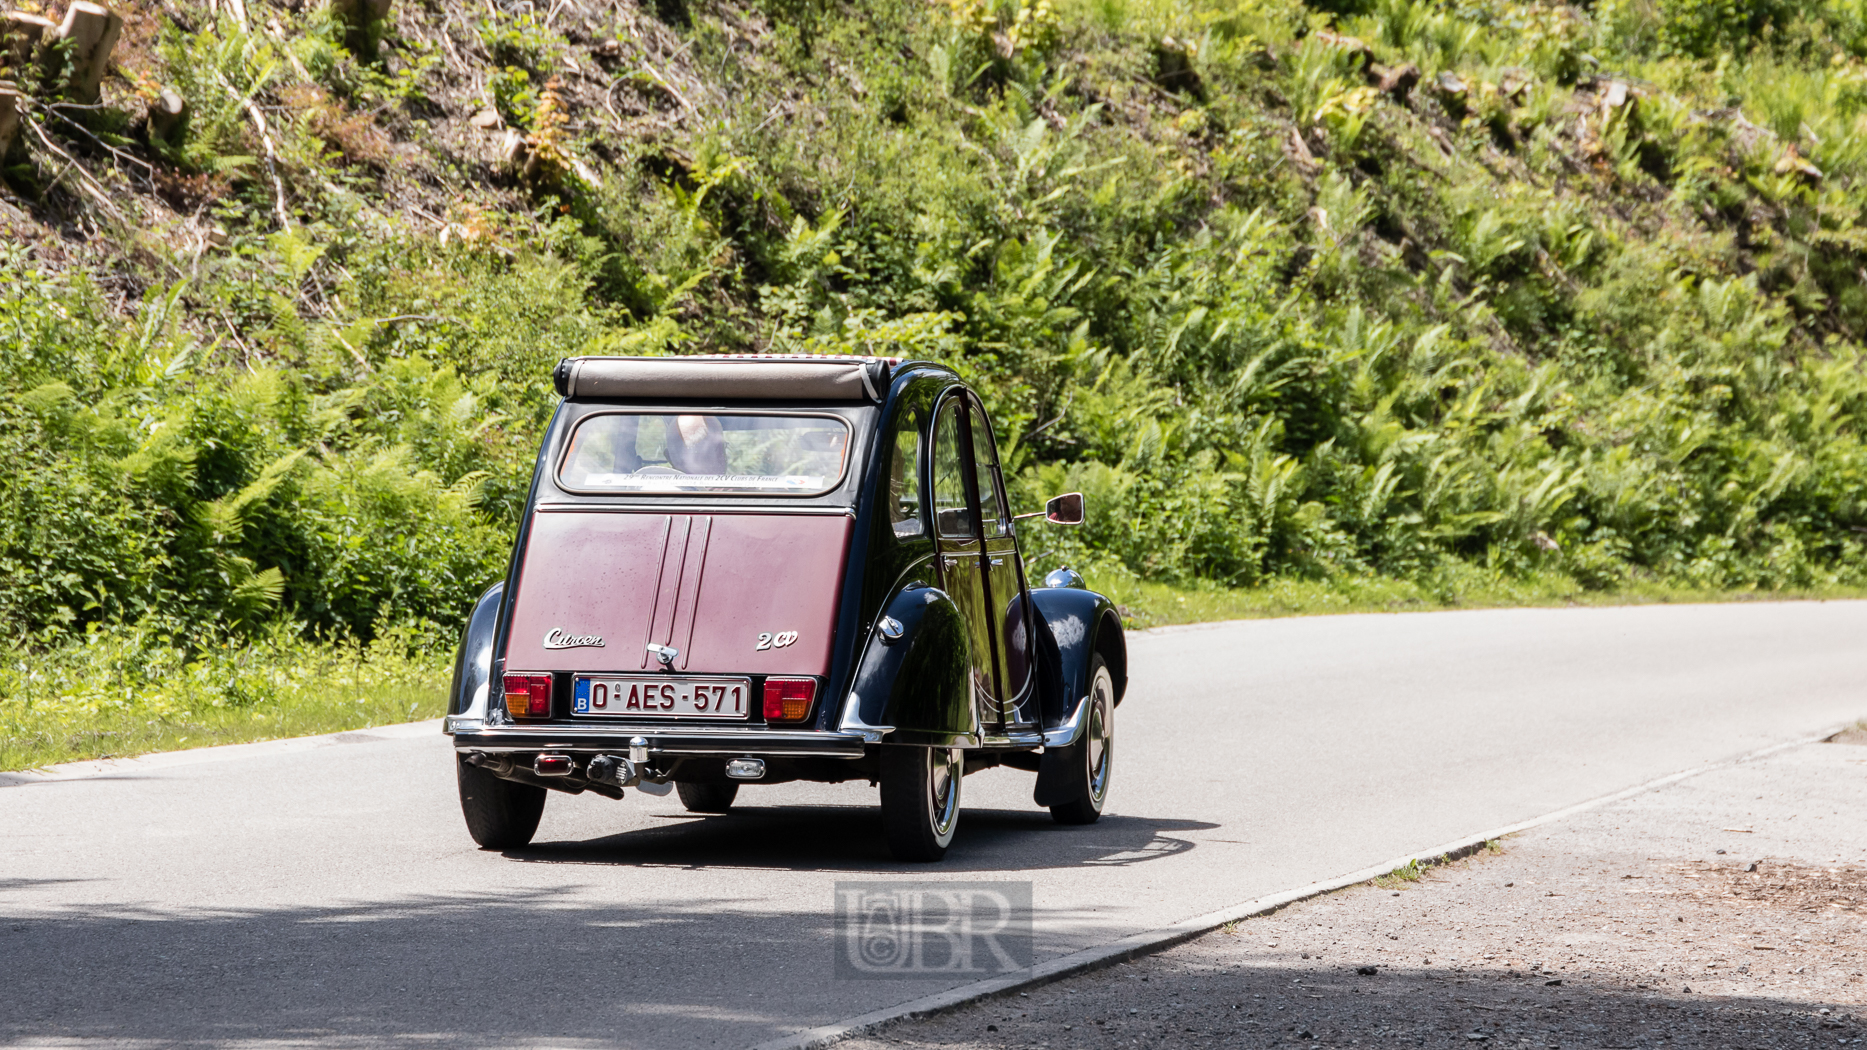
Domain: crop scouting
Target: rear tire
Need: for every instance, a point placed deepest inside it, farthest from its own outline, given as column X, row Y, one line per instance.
column 500, row 814
column 707, row 798
column 920, row 800
column 1094, row 759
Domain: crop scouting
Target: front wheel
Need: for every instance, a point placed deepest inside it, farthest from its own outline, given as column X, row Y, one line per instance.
column 500, row 814
column 707, row 798
column 920, row 800
column 1095, row 752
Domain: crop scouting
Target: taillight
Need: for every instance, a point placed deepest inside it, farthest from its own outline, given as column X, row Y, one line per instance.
column 528, row 695
column 789, row 699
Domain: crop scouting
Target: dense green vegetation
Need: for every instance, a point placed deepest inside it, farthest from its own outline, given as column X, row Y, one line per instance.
column 1490, row 298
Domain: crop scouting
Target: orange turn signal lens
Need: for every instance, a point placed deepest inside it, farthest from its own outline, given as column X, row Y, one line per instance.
column 789, row 699
column 528, row 695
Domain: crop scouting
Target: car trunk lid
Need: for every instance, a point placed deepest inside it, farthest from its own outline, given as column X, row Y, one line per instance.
column 733, row 593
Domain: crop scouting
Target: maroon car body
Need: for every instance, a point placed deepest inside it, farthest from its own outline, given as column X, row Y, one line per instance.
column 739, row 570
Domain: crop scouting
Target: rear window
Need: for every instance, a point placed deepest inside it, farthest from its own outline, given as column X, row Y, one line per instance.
column 722, row 452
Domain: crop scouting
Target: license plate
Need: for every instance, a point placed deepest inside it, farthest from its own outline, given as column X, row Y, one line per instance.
column 661, row 697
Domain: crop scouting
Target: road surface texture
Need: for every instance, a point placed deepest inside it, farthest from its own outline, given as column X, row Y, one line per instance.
column 329, row 895
column 1728, row 910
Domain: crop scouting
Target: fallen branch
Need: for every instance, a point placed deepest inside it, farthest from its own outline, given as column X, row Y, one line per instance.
column 237, row 341
column 361, row 360
column 609, row 103
column 415, row 317
column 661, row 82
column 54, row 108
column 265, row 140
column 272, row 162
column 85, row 181
column 777, row 110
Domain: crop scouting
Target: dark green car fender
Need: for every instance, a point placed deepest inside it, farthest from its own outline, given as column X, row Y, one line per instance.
column 913, row 685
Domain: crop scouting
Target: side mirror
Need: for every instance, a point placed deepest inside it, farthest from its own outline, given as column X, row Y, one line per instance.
column 1066, row 509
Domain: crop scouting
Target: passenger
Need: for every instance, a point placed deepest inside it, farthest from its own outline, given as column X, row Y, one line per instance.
column 697, row 444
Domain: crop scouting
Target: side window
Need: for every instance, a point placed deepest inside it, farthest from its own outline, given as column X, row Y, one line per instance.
column 904, row 480
column 952, row 512
column 997, row 518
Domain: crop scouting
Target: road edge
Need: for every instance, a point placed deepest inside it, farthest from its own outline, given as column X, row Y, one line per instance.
column 92, row 768
column 1151, row 941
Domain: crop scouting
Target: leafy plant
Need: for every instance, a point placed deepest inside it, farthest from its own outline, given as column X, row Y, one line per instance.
column 1397, row 298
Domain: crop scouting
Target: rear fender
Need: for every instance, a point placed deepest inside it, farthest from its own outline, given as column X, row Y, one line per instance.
column 915, row 689
column 473, row 662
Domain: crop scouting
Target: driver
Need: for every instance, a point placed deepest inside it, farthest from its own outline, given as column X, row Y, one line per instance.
column 622, row 455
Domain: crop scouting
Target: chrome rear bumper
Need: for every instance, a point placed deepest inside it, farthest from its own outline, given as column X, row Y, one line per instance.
column 474, row 735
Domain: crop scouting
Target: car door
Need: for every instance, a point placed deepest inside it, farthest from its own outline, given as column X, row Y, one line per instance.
column 1004, row 576
column 961, row 551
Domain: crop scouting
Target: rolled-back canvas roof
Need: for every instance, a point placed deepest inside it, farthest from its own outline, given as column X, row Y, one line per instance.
column 774, row 377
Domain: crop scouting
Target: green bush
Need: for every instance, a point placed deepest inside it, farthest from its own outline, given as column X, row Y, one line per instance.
column 1703, row 28
column 1580, row 311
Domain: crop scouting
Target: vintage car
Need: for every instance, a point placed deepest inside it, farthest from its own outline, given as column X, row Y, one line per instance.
column 751, row 570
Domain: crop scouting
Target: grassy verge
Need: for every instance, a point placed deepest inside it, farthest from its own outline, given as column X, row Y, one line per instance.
column 124, row 693
column 1145, row 604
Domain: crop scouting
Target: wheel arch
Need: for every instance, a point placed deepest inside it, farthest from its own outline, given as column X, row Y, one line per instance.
column 1112, row 645
column 468, row 693
column 1077, row 624
column 914, row 689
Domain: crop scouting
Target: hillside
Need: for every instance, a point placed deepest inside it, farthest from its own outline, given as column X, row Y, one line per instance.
column 1462, row 297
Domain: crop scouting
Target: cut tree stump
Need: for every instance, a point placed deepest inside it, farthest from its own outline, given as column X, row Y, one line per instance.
column 91, row 30
column 360, row 19
column 20, row 37
column 9, row 116
column 168, row 116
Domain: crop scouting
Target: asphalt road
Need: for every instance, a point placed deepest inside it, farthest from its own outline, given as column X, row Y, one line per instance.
column 328, row 895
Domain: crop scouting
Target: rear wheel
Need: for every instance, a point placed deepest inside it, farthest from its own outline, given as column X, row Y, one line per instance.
column 500, row 814
column 1095, row 752
column 707, row 798
column 920, row 800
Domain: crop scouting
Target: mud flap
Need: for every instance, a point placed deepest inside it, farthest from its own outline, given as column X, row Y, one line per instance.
column 1057, row 779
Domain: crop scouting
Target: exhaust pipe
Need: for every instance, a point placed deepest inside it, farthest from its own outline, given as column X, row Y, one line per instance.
column 497, row 765
column 522, row 772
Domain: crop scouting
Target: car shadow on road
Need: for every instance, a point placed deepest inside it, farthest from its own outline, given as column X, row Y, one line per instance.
column 849, row 839
column 8, row 884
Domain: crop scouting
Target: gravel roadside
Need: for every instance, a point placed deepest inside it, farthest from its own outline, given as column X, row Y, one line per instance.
column 1728, row 910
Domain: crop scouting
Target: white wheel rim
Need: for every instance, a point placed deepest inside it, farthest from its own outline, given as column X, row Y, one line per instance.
column 943, row 779
column 1100, row 738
